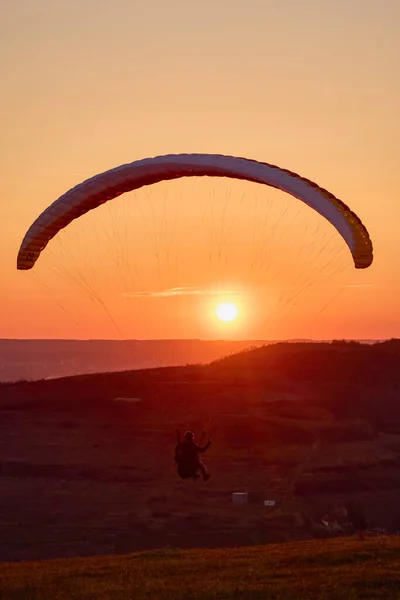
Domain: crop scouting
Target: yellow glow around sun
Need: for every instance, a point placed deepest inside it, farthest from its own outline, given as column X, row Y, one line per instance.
column 227, row 311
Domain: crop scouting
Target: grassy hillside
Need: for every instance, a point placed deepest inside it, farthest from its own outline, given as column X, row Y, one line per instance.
column 312, row 426
column 329, row 570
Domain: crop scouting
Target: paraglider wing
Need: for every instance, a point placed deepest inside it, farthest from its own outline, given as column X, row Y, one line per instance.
column 108, row 185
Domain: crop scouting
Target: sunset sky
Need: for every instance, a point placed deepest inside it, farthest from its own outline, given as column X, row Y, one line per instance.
column 311, row 85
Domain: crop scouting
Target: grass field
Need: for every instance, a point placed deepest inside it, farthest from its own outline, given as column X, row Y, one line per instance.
column 347, row 568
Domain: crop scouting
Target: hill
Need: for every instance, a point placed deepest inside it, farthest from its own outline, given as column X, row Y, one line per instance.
column 43, row 359
column 326, row 570
column 312, row 426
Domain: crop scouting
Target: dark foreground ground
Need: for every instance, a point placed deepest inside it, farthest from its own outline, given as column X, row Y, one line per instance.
column 310, row 426
column 327, row 570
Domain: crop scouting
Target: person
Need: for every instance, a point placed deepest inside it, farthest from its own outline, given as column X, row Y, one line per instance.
column 187, row 457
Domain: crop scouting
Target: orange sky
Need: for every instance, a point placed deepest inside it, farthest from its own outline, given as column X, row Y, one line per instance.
column 312, row 86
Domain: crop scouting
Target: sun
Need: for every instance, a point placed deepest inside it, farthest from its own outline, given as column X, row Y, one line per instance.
column 227, row 311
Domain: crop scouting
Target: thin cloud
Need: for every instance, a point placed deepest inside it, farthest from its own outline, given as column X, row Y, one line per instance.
column 178, row 291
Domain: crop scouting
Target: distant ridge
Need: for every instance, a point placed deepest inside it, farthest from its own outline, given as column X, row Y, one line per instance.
column 32, row 359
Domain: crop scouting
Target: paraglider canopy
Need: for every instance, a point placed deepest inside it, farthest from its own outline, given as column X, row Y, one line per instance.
column 108, row 185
